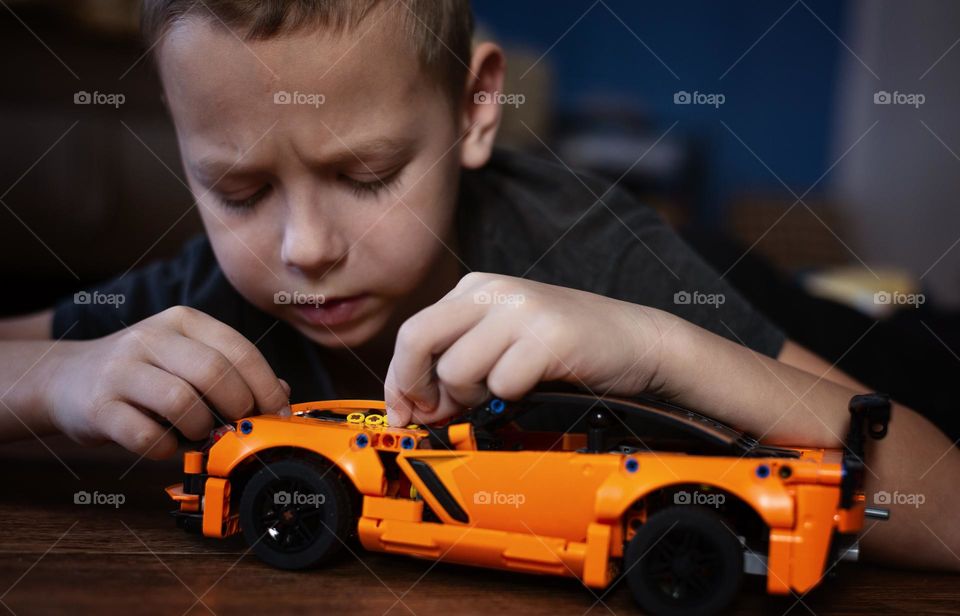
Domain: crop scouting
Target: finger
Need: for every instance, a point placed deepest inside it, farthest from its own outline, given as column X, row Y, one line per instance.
column 246, row 358
column 487, row 372
column 170, row 397
column 285, row 411
column 424, row 335
column 399, row 409
column 463, row 368
column 446, row 408
column 519, row 369
column 207, row 370
column 134, row 431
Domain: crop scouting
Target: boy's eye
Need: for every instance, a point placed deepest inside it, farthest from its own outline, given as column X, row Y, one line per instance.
column 363, row 188
column 248, row 202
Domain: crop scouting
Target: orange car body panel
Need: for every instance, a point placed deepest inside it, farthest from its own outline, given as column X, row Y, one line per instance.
column 574, row 504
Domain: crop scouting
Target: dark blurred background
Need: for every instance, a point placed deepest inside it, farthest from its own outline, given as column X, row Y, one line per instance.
column 808, row 149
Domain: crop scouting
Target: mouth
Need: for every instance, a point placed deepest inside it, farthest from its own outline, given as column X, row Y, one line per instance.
column 333, row 311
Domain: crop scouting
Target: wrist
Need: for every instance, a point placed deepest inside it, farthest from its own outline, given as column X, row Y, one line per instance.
column 677, row 356
column 657, row 336
column 39, row 388
column 25, row 381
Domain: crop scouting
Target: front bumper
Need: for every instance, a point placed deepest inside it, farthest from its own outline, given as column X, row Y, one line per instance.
column 188, row 515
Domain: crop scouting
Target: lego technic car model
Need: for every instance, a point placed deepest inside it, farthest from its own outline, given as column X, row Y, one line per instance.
column 675, row 503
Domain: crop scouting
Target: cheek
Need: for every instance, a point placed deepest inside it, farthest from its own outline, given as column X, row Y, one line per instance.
column 245, row 251
column 411, row 239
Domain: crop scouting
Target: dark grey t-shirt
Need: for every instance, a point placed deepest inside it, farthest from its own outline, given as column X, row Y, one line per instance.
column 520, row 216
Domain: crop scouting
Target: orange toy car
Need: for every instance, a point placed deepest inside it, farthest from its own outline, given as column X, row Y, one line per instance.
column 678, row 504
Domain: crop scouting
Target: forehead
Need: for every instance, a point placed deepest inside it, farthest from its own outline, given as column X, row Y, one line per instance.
column 313, row 87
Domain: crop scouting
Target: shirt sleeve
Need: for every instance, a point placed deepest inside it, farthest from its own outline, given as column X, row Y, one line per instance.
column 191, row 278
column 648, row 263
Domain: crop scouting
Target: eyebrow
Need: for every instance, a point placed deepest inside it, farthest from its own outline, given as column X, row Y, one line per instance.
column 367, row 152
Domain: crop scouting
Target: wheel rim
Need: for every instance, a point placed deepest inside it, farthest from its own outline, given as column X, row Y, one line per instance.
column 684, row 566
column 292, row 526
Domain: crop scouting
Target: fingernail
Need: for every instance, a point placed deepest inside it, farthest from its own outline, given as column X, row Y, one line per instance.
column 393, row 419
column 285, row 412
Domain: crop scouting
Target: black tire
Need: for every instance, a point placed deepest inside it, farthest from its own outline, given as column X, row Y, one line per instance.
column 304, row 528
column 684, row 561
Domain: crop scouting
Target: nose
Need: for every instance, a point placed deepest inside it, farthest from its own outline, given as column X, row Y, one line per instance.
column 312, row 244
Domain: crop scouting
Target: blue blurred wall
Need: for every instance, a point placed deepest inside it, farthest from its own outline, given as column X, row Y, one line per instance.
column 779, row 97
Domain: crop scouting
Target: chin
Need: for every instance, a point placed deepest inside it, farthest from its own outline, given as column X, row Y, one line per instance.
column 355, row 335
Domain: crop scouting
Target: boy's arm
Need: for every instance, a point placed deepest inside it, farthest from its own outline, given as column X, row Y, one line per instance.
column 21, row 351
column 929, row 472
column 23, row 370
column 458, row 351
column 787, row 405
column 797, row 356
column 138, row 385
column 37, row 326
column 147, row 353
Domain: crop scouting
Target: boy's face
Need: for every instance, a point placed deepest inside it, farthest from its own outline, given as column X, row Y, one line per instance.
column 343, row 188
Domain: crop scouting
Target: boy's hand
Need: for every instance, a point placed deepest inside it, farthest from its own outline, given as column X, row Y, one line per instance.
column 168, row 369
column 499, row 335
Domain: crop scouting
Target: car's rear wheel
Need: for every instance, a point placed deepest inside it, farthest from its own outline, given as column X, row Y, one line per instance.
column 296, row 513
column 684, row 561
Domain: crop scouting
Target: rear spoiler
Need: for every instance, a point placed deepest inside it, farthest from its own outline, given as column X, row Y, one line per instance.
column 869, row 416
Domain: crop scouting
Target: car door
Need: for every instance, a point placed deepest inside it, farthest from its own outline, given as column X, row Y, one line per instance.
column 548, row 493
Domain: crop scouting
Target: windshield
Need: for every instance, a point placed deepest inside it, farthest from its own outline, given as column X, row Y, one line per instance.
column 653, row 424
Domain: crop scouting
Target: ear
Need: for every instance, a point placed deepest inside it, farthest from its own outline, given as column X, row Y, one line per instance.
column 480, row 117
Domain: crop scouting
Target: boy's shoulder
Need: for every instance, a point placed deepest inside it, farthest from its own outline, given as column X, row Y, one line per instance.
column 530, row 216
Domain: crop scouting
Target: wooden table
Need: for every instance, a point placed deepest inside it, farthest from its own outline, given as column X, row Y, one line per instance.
column 60, row 557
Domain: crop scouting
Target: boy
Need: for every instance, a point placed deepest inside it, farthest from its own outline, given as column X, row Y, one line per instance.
column 341, row 154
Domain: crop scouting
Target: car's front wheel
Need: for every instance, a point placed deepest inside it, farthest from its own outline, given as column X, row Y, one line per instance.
column 684, row 560
column 296, row 513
